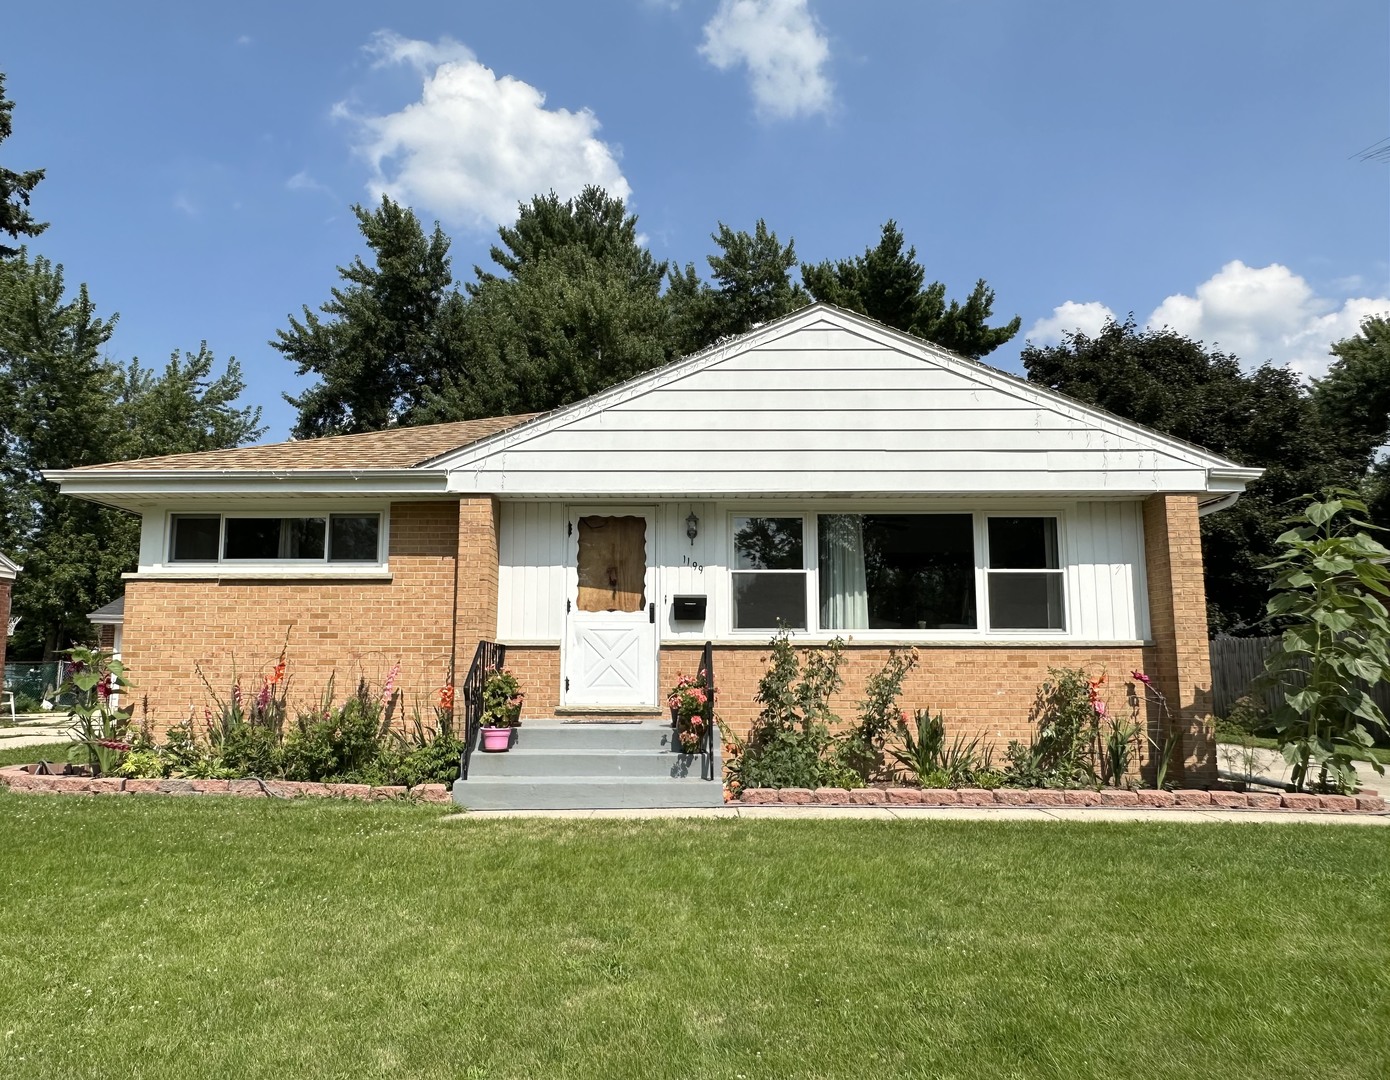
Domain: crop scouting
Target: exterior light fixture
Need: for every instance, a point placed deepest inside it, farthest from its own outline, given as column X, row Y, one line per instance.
column 692, row 527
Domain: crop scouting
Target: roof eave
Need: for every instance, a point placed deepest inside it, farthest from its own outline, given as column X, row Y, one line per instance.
column 130, row 489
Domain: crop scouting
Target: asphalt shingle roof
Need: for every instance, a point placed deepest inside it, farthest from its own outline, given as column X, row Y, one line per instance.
column 395, row 448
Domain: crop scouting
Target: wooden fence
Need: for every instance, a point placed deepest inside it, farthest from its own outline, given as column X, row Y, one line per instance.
column 1237, row 662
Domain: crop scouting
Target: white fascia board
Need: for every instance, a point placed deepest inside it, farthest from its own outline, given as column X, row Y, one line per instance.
column 479, row 452
column 131, row 488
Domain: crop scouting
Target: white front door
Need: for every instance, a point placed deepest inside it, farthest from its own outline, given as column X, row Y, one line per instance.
column 610, row 621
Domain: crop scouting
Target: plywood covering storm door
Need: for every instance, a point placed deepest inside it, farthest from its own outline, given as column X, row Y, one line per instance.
column 610, row 608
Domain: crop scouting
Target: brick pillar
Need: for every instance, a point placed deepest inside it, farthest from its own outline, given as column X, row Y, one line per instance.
column 6, row 586
column 475, row 583
column 1178, row 621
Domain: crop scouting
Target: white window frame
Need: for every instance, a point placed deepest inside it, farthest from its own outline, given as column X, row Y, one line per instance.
column 985, row 570
column 983, row 631
column 809, row 558
column 223, row 565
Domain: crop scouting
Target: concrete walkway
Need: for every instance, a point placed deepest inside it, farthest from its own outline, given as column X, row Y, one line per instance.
column 34, row 730
column 1234, row 762
column 947, row 813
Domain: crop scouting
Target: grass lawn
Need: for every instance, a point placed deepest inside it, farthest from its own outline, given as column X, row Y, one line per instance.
column 23, row 755
column 165, row 937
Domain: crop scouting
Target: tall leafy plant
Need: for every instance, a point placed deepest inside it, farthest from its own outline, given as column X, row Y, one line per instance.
column 1331, row 581
column 99, row 728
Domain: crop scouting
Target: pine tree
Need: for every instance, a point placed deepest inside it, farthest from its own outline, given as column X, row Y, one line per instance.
column 15, row 187
column 886, row 283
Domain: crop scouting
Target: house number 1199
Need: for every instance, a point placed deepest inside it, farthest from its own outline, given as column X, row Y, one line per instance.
column 688, row 561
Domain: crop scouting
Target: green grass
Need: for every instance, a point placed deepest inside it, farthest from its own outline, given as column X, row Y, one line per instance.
column 23, row 755
column 149, row 937
column 1260, row 742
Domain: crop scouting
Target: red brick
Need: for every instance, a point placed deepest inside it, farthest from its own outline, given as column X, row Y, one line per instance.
column 249, row 789
column 432, row 793
column 1191, row 797
column 867, row 796
column 1262, row 800
column 387, row 793
column 1370, row 804
column 975, row 797
column 940, row 797
column 1154, row 797
column 1118, row 797
column 826, row 796
column 211, row 787
column 758, row 797
column 1012, row 797
column 1299, row 801
column 1229, row 800
column 1081, row 798
column 349, row 791
column 905, row 796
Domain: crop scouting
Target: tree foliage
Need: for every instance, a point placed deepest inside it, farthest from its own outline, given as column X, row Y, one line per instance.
column 1353, row 404
column 752, row 285
column 1262, row 418
column 64, row 405
column 886, row 284
column 387, row 340
column 15, row 187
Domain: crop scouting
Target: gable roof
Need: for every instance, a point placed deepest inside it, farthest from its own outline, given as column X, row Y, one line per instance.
column 820, row 401
column 9, row 569
column 111, row 613
column 828, row 401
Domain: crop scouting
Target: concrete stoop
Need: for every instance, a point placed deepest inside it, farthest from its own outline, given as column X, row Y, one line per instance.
column 560, row 765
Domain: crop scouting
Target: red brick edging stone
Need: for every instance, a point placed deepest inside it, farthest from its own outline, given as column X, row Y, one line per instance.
column 16, row 779
column 1183, row 799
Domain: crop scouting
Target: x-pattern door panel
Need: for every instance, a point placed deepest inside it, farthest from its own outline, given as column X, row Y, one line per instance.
column 610, row 635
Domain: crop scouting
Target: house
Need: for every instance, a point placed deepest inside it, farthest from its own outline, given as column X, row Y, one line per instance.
column 109, row 619
column 822, row 472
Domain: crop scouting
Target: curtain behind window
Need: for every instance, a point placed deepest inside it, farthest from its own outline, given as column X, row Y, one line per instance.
column 844, row 601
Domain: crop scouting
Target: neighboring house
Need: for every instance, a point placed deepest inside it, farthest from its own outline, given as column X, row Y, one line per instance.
column 109, row 620
column 8, row 572
column 821, row 471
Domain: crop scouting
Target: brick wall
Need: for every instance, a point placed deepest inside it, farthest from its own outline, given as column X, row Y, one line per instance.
column 344, row 628
column 1181, row 664
column 986, row 690
column 6, row 589
column 475, row 578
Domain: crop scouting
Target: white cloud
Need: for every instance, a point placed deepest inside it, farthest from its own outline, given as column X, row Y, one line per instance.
column 245, row 39
column 1257, row 313
column 783, row 49
column 184, row 204
column 1088, row 318
column 476, row 144
column 304, row 181
column 1267, row 313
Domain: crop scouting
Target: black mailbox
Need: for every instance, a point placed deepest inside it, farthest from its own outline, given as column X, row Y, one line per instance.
column 688, row 608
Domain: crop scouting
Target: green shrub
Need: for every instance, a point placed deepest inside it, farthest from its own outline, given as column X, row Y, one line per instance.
column 1061, row 754
column 436, row 762
column 143, row 765
column 926, row 758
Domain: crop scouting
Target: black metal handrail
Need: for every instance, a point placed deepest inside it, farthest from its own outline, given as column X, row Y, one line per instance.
column 706, row 676
column 487, row 658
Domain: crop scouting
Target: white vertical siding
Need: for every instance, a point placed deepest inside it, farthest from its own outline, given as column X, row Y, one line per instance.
column 531, row 571
column 690, row 569
column 1103, row 549
column 1105, row 554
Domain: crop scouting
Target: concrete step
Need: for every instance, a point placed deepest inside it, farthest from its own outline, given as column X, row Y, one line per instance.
column 584, row 793
column 558, row 735
column 524, row 761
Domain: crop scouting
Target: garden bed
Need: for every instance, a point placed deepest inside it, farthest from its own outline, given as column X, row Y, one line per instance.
column 18, row 778
column 1182, row 799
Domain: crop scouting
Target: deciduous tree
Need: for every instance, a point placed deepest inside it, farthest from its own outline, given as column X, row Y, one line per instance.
column 15, row 187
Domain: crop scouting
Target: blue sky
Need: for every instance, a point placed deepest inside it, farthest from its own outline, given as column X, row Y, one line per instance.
column 1192, row 162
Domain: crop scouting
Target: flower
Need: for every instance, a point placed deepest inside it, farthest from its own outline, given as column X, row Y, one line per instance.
column 279, row 672
column 446, row 697
column 1139, row 676
column 389, row 690
column 263, row 698
column 1101, row 708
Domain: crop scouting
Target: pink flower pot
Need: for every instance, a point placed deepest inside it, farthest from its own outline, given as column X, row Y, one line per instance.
column 497, row 739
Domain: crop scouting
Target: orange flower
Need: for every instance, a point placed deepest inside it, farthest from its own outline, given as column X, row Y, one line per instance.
column 279, row 672
column 446, row 697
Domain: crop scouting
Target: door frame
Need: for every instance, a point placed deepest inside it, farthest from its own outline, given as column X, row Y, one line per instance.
column 652, row 585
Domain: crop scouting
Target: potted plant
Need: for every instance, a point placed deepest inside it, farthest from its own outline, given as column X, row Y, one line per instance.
column 502, row 701
column 688, row 701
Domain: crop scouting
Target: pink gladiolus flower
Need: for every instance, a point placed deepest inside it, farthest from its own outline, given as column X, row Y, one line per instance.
column 1100, row 708
column 390, row 688
column 1141, row 677
column 263, row 698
